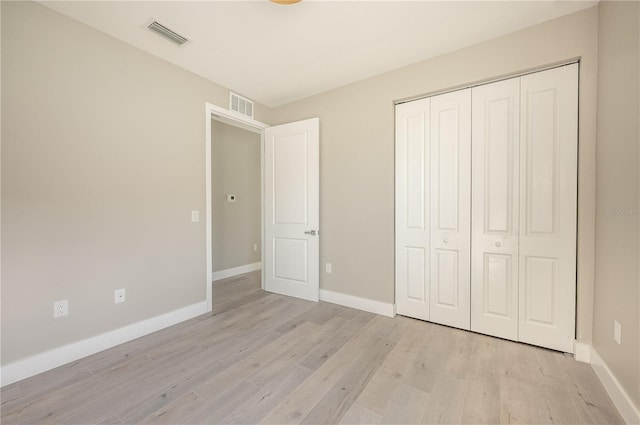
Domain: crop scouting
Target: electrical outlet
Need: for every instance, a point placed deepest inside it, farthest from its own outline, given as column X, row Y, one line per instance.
column 327, row 268
column 617, row 331
column 120, row 295
column 60, row 308
column 255, row 247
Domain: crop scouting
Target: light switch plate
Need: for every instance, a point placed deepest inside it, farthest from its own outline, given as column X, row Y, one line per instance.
column 195, row 216
column 119, row 296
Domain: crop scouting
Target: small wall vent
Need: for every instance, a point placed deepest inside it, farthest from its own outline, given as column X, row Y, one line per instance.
column 167, row 33
column 240, row 104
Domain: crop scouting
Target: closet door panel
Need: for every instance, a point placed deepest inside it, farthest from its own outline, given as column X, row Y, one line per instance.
column 548, row 186
column 450, row 208
column 412, row 212
column 495, row 169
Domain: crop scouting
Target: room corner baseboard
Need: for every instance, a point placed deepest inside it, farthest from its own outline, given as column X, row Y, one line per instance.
column 365, row 304
column 27, row 367
column 582, row 352
column 235, row 271
column 630, row 412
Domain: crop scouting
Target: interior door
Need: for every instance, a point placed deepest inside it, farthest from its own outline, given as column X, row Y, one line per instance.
column 292, row 246
column 548, row 192
column 412, row 208
column 450, row 233
column 494, row 222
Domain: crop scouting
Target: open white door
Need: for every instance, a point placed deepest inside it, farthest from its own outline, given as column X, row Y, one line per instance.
column 292, row 188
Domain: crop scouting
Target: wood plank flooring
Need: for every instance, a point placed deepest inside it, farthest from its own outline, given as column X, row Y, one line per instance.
column 269, row 359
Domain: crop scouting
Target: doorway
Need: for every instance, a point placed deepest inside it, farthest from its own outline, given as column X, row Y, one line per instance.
column 235, row 202
column 234, row 195
column 289, row 172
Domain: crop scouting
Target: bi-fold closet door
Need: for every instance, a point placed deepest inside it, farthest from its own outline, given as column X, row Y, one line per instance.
column 486, row 199
column 433, row 158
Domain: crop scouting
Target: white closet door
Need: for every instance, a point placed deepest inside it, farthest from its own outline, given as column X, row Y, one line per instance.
column 412, row 209
column 450, row 208
column 494, row 249
column 548, row 192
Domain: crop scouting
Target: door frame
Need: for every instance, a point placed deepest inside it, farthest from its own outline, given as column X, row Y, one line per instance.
column 237, row 120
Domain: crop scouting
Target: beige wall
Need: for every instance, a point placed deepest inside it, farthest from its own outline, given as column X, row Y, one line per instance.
column 235, row 170
column 102, row 162
column 617, row 289
column 357, row 151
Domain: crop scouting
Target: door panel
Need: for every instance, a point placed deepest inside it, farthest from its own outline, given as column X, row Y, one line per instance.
column 541, row 291
column 290, row 179
column 415, row 268
column 498, row 287
column 291, row 263
column 290, row 257
column 548, row 162
column 450, row 131
column 412, row 209
column 542, row 155
column 446, row 280
column 495, row 170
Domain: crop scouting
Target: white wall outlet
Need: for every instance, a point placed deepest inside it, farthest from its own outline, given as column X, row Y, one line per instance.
column 327, row 267
column 617, row 331
column 231, row 197
column 255, row 247
column 60, row 308
column 120, row 296
column 195, row 216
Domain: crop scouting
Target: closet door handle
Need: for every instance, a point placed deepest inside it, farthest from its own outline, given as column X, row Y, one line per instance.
column 498, row 244
column 445, row 240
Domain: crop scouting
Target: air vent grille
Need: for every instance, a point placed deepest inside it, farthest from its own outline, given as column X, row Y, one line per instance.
column 241, row 104
column 167, row 33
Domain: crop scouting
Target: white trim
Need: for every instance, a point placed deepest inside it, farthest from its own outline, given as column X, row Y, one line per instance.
column 235, row 118
column 630, row 413
column 365, row 304
column 262, row 212
column 491, row 80
column 582, row 352
column 42, row 362
column 208, row 208
column 238, row 120
column 235, row 271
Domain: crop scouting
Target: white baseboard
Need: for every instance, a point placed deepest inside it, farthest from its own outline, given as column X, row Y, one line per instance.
column 47, row 360
column 235, row 271
column 630, row 412
column 372, row 306
column 582, row 352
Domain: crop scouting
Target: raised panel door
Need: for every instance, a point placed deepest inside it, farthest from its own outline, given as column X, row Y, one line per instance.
column 412, row 209
column 494, row 224
column 548, row 207
column 450, row 208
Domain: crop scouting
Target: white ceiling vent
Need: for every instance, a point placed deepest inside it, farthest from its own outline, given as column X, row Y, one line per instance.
column 167, row 33
column 240, row 104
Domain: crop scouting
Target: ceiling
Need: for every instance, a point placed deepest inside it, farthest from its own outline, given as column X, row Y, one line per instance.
column 276, row 54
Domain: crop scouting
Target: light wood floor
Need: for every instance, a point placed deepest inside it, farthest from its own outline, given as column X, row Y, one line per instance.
column 264, row 358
